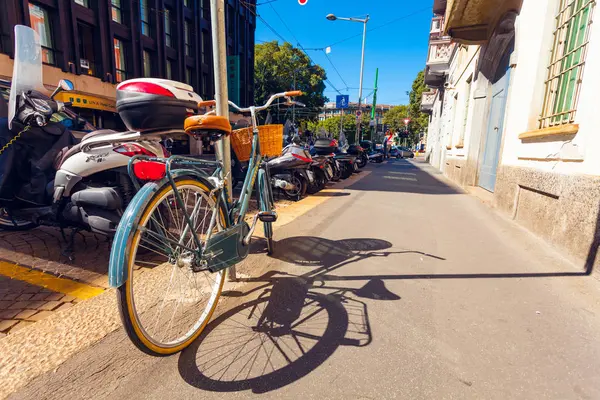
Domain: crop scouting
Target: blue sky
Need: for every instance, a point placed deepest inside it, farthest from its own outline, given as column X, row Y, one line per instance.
column 399, row 49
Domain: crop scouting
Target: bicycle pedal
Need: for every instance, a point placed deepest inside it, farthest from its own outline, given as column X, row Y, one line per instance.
column 267, row 216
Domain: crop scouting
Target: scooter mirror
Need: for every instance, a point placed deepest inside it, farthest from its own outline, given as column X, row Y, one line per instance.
column 66, row 85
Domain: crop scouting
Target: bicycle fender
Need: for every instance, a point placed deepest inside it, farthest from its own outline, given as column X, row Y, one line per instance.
column 118, row 271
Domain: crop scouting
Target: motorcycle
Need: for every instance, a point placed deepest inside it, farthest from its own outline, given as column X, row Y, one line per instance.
column 328, row 158
column 362, row 157
column 346, row 162
column 47, row 179
column 372, row 154
column 291, row 171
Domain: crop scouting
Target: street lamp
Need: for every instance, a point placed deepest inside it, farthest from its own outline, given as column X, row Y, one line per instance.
column 332, row 17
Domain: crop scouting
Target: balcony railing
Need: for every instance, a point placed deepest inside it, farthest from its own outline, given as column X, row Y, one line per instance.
column 440, row 54
column 427, row 100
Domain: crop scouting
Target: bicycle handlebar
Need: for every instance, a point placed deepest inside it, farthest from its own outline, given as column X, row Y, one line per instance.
column 268, row 103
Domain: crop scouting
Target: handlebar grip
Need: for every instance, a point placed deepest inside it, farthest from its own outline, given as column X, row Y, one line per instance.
column 293, row 93
column 207, row 103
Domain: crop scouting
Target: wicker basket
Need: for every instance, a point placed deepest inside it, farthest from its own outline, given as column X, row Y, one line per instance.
column 270, row 137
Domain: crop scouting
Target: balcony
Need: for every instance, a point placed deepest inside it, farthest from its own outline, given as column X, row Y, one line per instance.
column 427, row 100
column 473, row 21
column 440, row 54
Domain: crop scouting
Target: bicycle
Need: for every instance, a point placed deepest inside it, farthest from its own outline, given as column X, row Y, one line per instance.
column 182, row 229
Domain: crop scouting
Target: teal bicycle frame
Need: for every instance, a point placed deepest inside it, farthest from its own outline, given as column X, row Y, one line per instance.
column 192, row 167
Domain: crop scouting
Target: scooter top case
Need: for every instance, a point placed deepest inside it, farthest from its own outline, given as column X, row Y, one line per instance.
column 150, row 104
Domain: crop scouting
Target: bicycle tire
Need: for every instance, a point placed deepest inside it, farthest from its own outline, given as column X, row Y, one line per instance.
column 131, row 316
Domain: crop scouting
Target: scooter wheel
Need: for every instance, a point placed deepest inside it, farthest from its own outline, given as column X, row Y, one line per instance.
column 347, row 172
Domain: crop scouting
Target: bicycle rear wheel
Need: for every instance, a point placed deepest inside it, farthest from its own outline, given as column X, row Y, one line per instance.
column 164, row 304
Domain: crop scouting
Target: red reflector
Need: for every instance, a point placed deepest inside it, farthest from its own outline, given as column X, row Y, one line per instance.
column 299, row 157
column 149, row 170
column 146, row 87
column 130, row 150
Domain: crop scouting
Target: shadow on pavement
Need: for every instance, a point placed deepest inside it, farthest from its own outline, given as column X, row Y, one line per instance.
column 398, row 175
column 289, row 324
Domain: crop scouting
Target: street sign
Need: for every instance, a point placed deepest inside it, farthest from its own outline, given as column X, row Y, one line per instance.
column 302, row 2
column 406, row 121
column 358, row 115
column 342, row 101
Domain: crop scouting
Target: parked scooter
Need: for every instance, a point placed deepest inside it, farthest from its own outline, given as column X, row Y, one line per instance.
column 362, row 157
column 372, row 154
column 328, row 158
column 83, row 186
column 346, row 162
column 290, row 172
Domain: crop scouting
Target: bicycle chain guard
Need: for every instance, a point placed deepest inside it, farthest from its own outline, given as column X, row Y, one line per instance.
column 226, row 248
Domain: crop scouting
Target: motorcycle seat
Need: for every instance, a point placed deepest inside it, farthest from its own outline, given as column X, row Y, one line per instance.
column 67, row 152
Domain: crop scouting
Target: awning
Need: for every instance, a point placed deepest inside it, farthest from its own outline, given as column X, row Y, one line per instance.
column 474, row 21
column 84, row 100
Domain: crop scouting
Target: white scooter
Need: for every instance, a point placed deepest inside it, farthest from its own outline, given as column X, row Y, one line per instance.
column 91, row 186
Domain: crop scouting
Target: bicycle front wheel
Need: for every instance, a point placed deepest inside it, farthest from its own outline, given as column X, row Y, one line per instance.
column 164, row 304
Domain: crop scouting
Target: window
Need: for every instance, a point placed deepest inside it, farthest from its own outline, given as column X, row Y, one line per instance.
column 206, row 47
column 147, row 60
column 187, row 38
column 205, row 86
column 84, row 3
column 120, row 67
column 87, row 50
column 168, row 37
column 169, row 69
column 145, row 17
column 230, row 21
column 436, row 25
column 565, row 72
column 117, row 12
column 40, row 22
column 188, row 76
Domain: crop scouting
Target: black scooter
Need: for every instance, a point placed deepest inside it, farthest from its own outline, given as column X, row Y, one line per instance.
column 362, row 159
column 290, row 171
column 346, row 162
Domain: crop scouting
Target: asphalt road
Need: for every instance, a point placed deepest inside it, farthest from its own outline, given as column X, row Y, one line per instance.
column 401, row 286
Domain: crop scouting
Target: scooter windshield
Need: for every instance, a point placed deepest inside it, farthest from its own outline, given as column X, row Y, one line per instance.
column 27, row 70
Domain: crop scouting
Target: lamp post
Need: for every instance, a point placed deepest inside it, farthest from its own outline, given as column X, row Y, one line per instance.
column 364, row 21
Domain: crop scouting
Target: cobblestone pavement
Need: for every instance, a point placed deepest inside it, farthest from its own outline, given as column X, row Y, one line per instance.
column 41, row 249
column 22, row 303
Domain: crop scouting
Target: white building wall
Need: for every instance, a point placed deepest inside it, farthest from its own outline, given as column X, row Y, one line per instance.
column 533, row 45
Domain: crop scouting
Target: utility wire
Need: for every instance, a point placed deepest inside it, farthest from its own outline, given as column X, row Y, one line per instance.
column 297, row 42
column 379, row 26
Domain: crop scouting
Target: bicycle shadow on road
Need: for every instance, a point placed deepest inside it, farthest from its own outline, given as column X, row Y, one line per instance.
column 288, row 325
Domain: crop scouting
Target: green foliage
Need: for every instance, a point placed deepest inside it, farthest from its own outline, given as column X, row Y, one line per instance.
column 332, row 126
column 276, row 68
column 420, row 119
column 394, row 118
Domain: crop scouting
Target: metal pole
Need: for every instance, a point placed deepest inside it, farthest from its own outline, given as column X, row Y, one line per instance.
column 342, row 122
column 360, row 86
column 217, row 17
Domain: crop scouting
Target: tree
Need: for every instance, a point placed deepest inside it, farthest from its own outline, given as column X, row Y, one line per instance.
column 332, row 125
column 278, row 68
column 420, row 120
column 394, row 118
